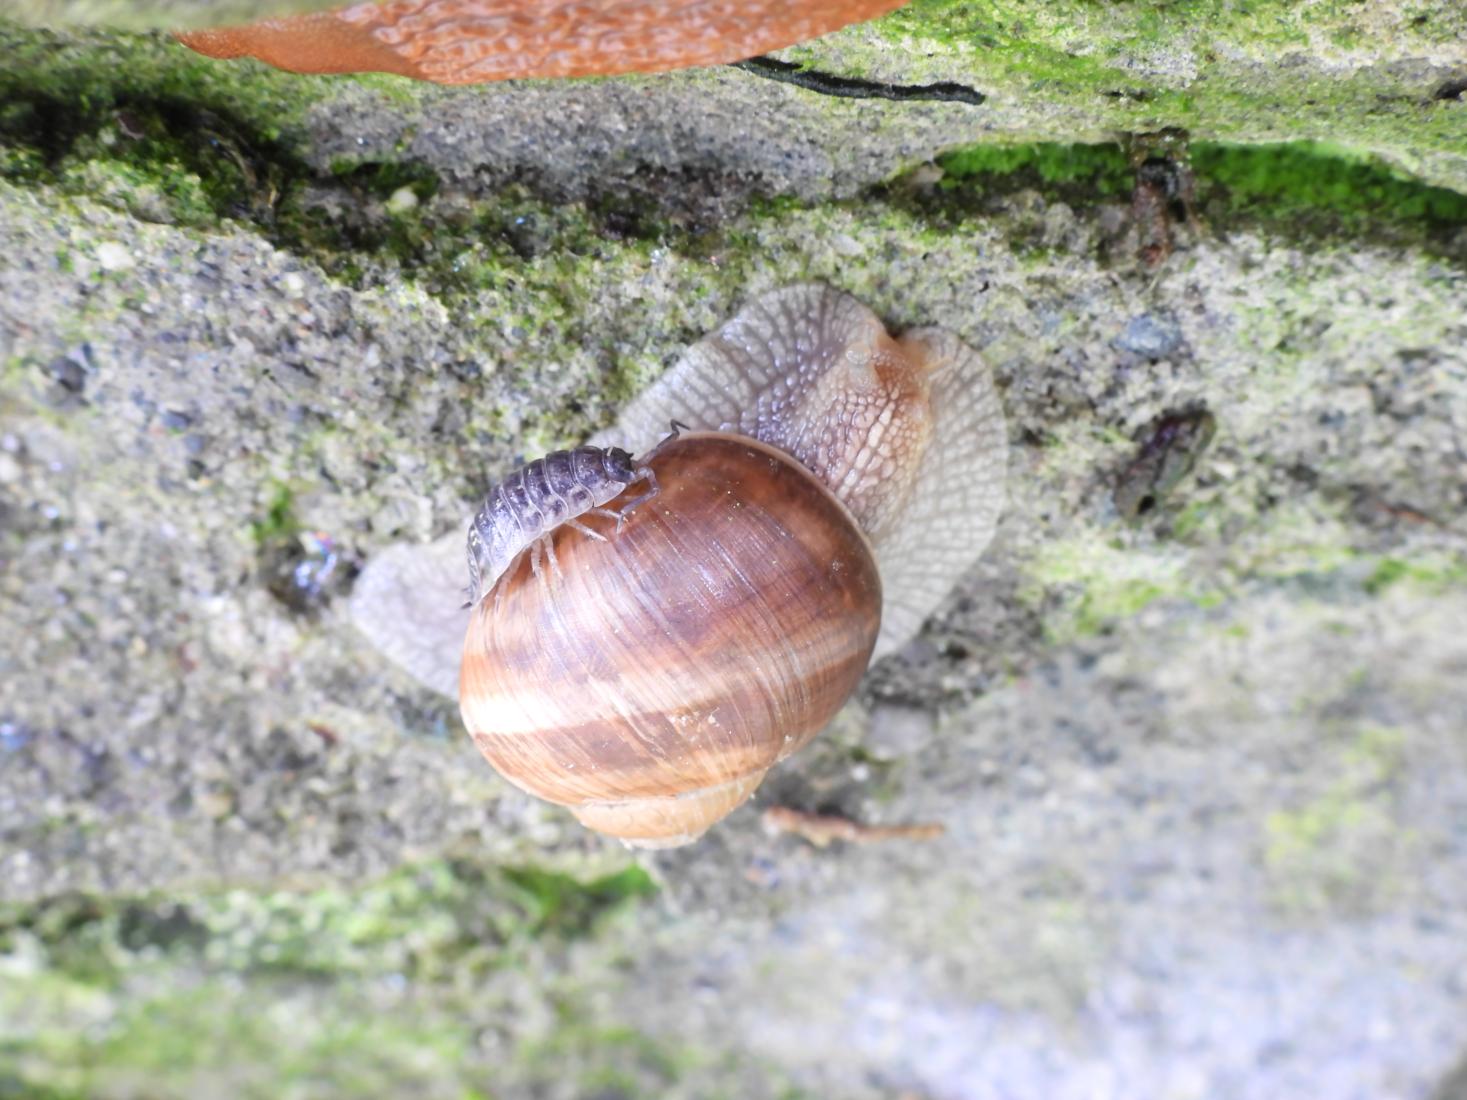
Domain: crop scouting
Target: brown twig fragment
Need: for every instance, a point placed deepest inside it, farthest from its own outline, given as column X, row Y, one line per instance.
column 821, row 829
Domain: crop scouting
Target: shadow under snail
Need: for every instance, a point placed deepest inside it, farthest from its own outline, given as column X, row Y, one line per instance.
column 823, row 490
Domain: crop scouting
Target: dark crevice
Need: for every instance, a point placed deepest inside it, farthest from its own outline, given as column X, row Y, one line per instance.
column 1452, row 89
column 199, row 165
column 846, row 87
column 1297, row 190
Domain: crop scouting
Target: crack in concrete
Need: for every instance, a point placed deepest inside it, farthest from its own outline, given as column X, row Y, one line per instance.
column 847, row 87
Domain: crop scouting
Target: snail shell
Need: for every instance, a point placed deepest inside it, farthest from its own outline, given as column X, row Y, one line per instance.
column 473, row 41
column 653, row 681
column 906, row 434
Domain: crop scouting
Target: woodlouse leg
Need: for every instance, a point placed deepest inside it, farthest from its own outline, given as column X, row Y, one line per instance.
column 644, row 473
column 550, row 553
column 537, row 552
column 583, row 529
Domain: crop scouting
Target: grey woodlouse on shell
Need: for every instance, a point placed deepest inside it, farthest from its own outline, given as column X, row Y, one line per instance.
column 613, row 689
column 562, row 487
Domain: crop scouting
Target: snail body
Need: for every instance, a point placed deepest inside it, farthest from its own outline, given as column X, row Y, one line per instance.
column 520, row 511
column 474, row 41
column 834, row 484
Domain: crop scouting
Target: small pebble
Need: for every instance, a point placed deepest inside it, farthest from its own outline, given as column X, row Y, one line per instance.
column 1150, row 336
column 215, row 802
column 294, row 285
column 113, row 256
column 69, row 372
column 404, row 200
column 898, row 730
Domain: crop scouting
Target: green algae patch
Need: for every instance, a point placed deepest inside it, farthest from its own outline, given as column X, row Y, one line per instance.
column 1375, row 81
column 1282, row 182
column 1296, row 189
column 1333, row 852
column 1161, row 30
column 142, row 127
column 1428, row 572
column 370, row 991
column 1103, row 167
column 1086, row 585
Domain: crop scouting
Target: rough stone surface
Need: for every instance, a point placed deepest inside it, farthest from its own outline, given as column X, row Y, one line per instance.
column 1384, row 79
column 1203, row 773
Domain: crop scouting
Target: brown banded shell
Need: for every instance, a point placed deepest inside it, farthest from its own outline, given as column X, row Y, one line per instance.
column 652, row 683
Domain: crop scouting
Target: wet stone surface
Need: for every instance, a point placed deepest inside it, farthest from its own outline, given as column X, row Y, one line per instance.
column 1199, row 762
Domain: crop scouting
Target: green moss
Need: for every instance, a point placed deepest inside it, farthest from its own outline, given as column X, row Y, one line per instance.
column 215, row 1038
column 1342, row 848
column 557, row 903
column 279, row 521
column 1209, row 67
column 94, row 73
column 147, row 14
column 1087, row 585
column 1101, row 167
column 424, row 920
column 1090, row 583
column 384, row 178
column 140, row 126
column 164, row 136
column 371, row 991
column 1433, row 573
column 622, row 1060
column 1297, row 187
column 1262, row 29
column 1283, row 182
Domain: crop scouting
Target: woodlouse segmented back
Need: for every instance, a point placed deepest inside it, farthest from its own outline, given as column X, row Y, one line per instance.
column 540, row 496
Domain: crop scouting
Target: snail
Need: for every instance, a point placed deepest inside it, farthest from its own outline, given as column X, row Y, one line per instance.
column 823, row 489
column 474, row 41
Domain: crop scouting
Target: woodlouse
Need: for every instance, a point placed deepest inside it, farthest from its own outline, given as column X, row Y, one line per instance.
column 522, row 510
